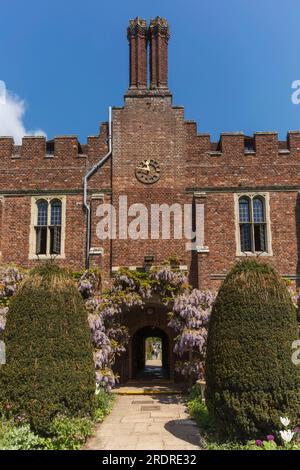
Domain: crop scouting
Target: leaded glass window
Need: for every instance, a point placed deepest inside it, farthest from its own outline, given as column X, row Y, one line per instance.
column 48, row 227
column 41, row 227
column 253, row 228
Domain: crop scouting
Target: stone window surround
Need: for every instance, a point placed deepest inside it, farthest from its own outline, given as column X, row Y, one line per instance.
column 33, row 220
column 251, row 195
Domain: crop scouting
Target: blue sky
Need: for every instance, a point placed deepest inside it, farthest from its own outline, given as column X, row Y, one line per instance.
column 232, row 62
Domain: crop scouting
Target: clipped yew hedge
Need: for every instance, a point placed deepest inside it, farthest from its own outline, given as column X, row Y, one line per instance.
column 251, row 380
column 50, row 368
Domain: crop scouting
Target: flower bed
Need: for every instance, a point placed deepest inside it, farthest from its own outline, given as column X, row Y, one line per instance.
column 67, row 433
column 287, row 439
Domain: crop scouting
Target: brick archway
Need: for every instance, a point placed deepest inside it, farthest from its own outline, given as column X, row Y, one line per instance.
column 152, row 317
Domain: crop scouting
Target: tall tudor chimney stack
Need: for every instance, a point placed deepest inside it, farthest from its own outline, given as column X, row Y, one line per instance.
column 159, row 35
column 137, row 34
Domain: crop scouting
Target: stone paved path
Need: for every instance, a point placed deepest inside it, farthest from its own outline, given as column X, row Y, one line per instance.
column 147, row 422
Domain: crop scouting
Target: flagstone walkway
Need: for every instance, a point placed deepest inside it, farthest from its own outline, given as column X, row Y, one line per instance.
column 147, row 422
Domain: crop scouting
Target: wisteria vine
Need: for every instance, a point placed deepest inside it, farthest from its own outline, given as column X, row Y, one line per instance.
column 10, row 278
column 190, row 318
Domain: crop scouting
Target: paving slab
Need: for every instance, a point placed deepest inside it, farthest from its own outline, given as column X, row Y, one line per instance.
column 130, row 428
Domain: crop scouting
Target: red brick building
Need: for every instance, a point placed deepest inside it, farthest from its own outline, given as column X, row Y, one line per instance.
column 246, row 189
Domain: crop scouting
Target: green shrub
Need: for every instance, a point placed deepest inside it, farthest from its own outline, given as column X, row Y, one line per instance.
column 198, row 409
column 69, row 433
column 104, row 402
column 18, row 438
column 251, row 380
column 250, row 445
column 50, row 367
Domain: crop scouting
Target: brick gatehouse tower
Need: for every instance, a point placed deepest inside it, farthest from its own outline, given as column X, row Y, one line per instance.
column 243, row 189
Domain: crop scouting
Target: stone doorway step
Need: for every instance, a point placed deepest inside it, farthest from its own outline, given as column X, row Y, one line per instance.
column 163, row 387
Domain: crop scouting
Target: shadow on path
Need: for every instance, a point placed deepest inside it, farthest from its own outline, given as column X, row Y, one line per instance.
column 182, row 429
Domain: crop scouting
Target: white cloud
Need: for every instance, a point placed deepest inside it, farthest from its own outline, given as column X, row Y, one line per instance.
column 12, row 110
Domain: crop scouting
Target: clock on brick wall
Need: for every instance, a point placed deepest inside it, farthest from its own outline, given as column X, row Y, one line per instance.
column 148, row 172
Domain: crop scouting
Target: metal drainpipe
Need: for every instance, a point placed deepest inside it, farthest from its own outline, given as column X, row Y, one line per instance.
column 90, row 173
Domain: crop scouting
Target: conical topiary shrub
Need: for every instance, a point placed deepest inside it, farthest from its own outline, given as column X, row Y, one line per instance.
column 50, row 368
column 251, row 380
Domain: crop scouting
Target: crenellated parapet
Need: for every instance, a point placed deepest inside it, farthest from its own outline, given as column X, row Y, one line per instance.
column 234, row 145
column 65, row 148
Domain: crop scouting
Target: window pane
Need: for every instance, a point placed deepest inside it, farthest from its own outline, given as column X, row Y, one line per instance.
column 258, row 210
column 245, row 230
column 42, row 218
column 56, row 213
column 41, row 240
column 260, row 237
column 55, row 240
column 244, row 210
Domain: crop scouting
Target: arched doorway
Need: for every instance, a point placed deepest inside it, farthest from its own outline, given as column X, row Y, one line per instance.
column 150, row 321
column 146, row 364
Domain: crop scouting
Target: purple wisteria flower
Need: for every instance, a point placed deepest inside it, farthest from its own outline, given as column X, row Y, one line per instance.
column 190, row 318
column 10, row 278
column 89, row 284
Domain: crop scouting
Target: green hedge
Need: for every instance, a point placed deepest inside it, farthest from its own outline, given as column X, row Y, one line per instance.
column 50, row 368
column 251, row 380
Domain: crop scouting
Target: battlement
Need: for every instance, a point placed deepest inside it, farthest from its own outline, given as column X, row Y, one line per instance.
column 233, row 145
column 65, row 147
column 237, row 145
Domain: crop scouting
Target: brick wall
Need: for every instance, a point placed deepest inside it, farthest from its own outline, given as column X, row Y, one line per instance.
column 28, row 171
column 149, row 126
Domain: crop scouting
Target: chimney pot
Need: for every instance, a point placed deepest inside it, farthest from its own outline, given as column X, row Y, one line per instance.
column 159, row 33
column 137, row 34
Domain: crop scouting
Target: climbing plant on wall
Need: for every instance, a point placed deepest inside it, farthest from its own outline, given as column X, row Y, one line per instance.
column 10, row 278
column 189, row 318
column 189, row 315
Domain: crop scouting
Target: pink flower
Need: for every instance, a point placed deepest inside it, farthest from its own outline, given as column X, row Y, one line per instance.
column 270, row 438
column 259, row 443
column 297, row 429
